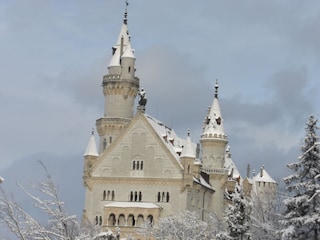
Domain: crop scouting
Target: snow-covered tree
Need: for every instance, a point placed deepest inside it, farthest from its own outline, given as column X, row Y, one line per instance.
column 59, row 225
column 302, row 214
column 238, row 218
column 184, row 226
column 265, row 216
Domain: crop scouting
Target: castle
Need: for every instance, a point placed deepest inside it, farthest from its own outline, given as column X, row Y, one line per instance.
column 141, row 170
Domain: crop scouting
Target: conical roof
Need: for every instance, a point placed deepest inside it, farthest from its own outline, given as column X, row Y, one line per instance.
column 214, row 123
column 128, row 53
column 92, row 147
column 188, row 150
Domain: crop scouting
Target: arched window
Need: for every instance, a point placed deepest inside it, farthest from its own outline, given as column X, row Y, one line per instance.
column 138, row 165
column 108, row 195
column 135, row 196
column 121, row 220
column 159, row 196
column 134, row 165
column 140, row 220
column 168, row 197
column 150, row 219
column 163, row 196
column 129, row 69
column 131, row 196
column 131, row 221
column 112, row 220
column 140, row 196
column 100, row 221
column 188, row 168
column 141, row 165
column 97, row 220
column 104, row 195
column 112, row 195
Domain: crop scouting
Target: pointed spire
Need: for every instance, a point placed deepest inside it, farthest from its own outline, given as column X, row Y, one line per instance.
column 214, row 123
column 188, row 150
column 122, row 43
column 92, row 147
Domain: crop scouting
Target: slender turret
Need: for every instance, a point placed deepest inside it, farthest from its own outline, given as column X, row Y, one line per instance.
column 120, row 88
column 213, row 138
column 213, row 142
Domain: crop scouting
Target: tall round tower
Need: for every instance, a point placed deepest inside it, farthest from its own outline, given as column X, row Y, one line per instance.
column 213, row 144
column 120, row 88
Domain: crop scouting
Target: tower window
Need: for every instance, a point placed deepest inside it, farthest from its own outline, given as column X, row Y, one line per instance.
column 104, row 143
column 129, row 69
column 110, row 139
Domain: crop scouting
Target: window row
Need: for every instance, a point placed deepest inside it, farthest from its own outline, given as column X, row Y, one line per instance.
column 98, row 220
column 163, row 197
column 137, row 165
column 108, row 195
column 135, row 196
column 129, row 221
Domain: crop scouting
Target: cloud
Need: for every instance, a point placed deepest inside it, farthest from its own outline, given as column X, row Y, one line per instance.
column 177, row 90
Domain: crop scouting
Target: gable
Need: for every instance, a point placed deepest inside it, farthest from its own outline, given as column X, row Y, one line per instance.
column 138, row 152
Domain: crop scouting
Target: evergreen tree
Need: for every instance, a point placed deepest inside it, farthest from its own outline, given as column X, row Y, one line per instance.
column 302, row 214
column 238, row 218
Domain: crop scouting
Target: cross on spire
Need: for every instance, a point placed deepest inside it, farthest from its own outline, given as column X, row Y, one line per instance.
column 216, row 86
column 125, row 20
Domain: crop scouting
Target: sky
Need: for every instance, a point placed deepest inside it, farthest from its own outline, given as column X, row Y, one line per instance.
column 265, row 55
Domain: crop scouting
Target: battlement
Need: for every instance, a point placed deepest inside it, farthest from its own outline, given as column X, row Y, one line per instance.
column 220, row 171
column 214, row 136
column 113, row 77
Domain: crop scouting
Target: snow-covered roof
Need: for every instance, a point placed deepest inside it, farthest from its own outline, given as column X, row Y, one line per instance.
column 128, row 53
column 169, row 137
column 131, row 205
column 263, row 176
column 214, row 122
column 92, row 147
column 203, row 183
column 124, row 33
column 188, row 149
column 231, row 167
column 115, row 59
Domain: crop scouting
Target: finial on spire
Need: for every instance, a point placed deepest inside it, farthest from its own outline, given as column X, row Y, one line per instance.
column 125, row 20
column 216, row 86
